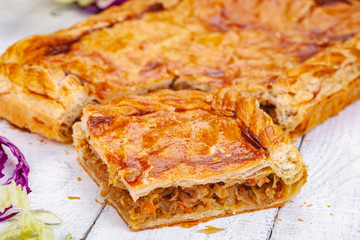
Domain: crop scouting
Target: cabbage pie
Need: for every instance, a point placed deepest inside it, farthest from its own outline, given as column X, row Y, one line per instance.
column 171, row 157
column 299, row 58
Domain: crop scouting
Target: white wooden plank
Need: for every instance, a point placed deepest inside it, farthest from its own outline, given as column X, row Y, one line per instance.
column 254, row 225
column 332, row 154
column 54, row 169
column 22, row 18
column 54, row 172
column 53, row 177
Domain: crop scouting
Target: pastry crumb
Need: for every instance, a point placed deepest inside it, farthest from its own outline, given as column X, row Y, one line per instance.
column 331, row 214
column 210, row 230
column 101, row 203
column 300, row 220
column 79, row 179
column 187, row 224
column 329, row 206
column 309, row 205
column 73, row 198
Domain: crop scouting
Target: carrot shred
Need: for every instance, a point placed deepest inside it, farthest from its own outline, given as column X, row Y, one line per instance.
column 183, row 208
column 150, row 208
column 242, row 188
column 188, row 210
column 181, row 205
column 223, row 194
column 252, row 180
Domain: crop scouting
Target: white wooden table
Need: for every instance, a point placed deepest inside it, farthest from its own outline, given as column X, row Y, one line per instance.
column 328, row 207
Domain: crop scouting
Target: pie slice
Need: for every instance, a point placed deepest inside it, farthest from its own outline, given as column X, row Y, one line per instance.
column 171, row 157
column 144, row 45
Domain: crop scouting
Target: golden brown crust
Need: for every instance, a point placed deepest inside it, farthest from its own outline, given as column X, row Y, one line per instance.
column 184, row 139
column 310, row 93
column 46, row 102
column 161, row 138
column 46, row 97
column 176, row 44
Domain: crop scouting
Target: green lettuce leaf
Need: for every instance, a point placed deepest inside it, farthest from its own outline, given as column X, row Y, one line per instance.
column 28, row 226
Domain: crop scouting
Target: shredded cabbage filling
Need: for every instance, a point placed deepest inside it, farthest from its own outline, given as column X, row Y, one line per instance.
column 167, row 202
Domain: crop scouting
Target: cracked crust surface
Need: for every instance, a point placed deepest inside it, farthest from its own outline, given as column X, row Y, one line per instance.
column 146, row 45
column 184, row 139
column 310, row 93
column 162, row 138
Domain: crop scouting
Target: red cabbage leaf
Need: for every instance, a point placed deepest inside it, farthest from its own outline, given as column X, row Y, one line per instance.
column 20, row 174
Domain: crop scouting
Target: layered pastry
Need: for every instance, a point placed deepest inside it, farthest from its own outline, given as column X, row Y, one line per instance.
column 259, row 47
column 171, row 157
column 309, row 93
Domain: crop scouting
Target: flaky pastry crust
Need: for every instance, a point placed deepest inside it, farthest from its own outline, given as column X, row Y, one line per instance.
column 323, row 85
column 150, row 44
column 184, row 139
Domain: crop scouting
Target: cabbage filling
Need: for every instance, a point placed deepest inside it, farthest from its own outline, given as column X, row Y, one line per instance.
column 164, row 203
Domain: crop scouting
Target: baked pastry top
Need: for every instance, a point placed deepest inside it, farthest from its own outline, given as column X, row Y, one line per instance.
column 185, row 139
column 204, row 44
column 141, row 46
column 309, row 93
column 166, row 138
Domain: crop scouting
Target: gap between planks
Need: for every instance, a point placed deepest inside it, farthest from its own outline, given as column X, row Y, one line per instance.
column 94, row 222
column 278, row 210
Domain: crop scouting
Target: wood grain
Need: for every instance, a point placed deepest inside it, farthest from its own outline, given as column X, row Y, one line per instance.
column 331, row 151
column 329, row 204
column 22, row 18
column 53, row 177
column 255, row 225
